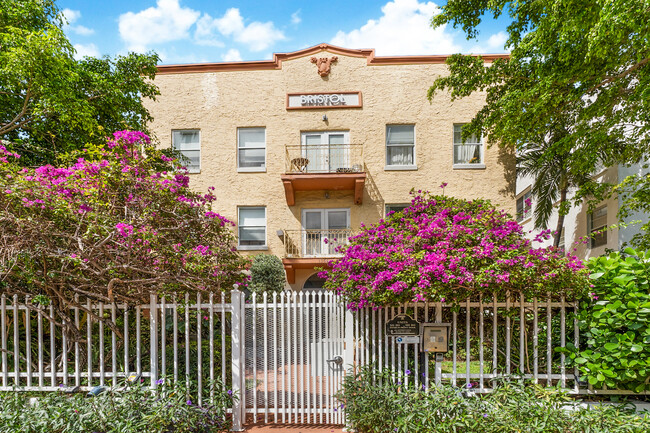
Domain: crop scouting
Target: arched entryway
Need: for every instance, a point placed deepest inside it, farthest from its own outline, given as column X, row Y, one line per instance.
column 314, row 282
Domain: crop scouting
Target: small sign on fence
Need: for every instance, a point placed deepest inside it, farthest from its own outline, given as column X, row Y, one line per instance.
column 408, row 339
column 402, row 325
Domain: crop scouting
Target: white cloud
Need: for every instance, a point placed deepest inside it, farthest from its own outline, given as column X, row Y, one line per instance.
column 166, row 22
column 404, row 28
column 295, row 17
column 232, row 55
column 83, row 50
column 494, row 44
column 256, row 36
column 71, row 16
column 204, row 33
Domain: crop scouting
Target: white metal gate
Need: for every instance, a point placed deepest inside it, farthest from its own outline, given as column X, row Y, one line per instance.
column 292, row 362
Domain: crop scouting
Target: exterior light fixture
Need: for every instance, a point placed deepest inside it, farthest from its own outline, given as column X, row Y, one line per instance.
column 324, row 117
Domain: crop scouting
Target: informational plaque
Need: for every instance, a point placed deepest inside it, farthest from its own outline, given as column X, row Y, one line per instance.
column 297, row 101
column 402, row 325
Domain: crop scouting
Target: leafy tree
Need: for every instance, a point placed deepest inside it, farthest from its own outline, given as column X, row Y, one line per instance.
column 113, row 230
column 444, row 247
column 583, row 65
column 51, row 103
column 267, row 274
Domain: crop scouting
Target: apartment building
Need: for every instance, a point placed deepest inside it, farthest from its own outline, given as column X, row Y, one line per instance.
column 304, row 148
column 587, row 233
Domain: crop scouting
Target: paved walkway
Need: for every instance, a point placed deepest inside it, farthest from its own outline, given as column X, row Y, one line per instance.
column 293, row 428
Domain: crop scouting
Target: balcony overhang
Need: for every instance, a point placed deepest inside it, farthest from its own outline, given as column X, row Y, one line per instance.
column 290, row 265
column 323, row 181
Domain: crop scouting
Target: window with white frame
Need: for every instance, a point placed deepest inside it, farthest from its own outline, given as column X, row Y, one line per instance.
column 188, row 143
column 524, row 206
column 468, row 153
column 400, row 146
column 251, row 149
column 598, row 226
column 252, row 227
column 396, row 207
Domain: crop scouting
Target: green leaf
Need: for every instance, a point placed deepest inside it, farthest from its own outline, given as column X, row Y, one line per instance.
column 636, row 348
column 611, row 346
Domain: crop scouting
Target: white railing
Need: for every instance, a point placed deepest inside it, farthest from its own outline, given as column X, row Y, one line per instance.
column 324, row 158
column 315, row 243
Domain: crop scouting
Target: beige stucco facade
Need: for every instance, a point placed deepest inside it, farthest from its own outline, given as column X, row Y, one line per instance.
column 218, row 99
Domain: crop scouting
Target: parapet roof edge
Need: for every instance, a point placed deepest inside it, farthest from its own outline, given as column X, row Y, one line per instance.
column 278, row 58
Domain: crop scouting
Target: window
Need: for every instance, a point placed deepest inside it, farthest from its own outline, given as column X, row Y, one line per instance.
column 524, row 206
column 400, row 146
column 396, row 207
column 252, row 228
column 188, row 143
column 598, row 227
column 251, row 149
column 468, row 153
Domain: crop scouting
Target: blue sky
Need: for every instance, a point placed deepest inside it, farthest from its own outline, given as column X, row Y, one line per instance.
column 189, row 31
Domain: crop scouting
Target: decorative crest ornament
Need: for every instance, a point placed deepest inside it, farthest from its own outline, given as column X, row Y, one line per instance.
column 324, row 64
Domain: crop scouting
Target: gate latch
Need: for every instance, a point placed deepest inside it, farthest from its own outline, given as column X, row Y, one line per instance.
column 336, row 360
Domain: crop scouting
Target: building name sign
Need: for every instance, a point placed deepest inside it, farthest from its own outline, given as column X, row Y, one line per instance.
column 296, row 101
column 402, row 325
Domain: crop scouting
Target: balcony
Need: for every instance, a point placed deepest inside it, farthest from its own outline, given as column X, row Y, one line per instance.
column 335, row 167
column 306, row 249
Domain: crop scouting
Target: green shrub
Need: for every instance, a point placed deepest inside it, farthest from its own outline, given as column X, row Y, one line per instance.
column 378, row 403
column 267, row 274
column 133, row 409
column 615, row 323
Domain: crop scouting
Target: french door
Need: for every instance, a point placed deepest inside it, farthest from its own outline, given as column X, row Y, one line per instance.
column 324, row 230
column 326, row 151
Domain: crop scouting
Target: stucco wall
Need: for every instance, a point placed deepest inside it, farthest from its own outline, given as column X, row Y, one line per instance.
column 218, row 103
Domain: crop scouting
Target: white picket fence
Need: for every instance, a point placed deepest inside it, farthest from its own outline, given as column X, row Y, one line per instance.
column 279, row 352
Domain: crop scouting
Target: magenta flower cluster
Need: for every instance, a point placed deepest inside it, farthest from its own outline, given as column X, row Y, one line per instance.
column 113, row 216
column 441, row 247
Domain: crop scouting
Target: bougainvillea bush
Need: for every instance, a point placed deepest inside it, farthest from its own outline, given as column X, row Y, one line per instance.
column 113, row 227
column 446, row 248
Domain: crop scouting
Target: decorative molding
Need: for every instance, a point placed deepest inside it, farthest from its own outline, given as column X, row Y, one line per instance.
column 278, row 58
column 324, row 64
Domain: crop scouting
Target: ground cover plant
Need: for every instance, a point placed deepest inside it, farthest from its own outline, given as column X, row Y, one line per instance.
column 442, row 247
column 378, row 402
column 134, row 408
column 615, row 323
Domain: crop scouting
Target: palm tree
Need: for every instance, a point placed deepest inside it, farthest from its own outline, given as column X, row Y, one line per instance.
column 549, row 162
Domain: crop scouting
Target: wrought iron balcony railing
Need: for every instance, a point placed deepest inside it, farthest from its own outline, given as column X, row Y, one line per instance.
column 315, row 243
column 324, row 158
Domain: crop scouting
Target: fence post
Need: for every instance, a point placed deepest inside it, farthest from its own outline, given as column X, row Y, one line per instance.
column 348, row 349
column 153, row 343
column 237, row 361
column 439, row 356
column 348, row 345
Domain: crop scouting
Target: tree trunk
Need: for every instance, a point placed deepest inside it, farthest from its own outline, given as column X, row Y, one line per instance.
column 560, row 218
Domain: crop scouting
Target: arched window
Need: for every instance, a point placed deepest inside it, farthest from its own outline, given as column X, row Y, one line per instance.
column 314, row 283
